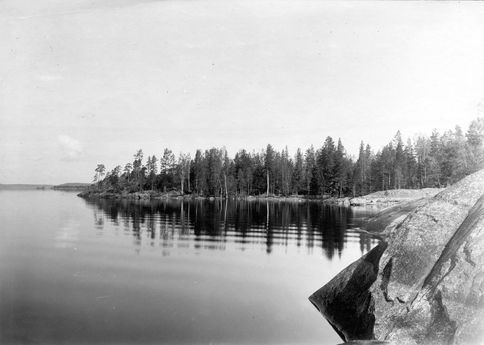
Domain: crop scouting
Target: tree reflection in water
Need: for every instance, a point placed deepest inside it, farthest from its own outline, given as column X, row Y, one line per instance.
column 214, row 224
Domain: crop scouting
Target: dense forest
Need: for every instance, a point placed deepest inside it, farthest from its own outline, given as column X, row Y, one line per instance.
column 435, row 161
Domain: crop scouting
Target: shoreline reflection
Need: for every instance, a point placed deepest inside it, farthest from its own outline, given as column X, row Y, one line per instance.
column 214, row 224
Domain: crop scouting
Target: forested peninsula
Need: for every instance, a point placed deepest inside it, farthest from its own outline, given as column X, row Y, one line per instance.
column 323, row 172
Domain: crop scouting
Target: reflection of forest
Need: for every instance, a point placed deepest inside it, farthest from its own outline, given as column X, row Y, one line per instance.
column 213, row 224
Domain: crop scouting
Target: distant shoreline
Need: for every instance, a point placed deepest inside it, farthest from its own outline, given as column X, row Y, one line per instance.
column 19, row 186
column 72, row 187
column 65, row 186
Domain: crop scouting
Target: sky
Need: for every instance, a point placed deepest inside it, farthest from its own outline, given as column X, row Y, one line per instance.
column 84, row 82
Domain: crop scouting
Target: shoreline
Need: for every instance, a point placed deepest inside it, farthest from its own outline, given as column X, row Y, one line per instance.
column 383, row 198
column 154, row 195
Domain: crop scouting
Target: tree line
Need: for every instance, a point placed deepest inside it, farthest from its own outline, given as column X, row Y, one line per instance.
column 435, row 161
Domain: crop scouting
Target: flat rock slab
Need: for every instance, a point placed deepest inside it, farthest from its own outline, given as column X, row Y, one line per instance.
column 395, row 196
column 390, row 215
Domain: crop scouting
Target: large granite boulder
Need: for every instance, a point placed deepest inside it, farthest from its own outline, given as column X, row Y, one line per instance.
column 424, row 283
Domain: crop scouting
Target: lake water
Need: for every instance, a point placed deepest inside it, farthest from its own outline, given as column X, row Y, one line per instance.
column 88, row 272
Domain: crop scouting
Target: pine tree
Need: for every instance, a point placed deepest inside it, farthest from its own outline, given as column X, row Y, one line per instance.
column 340, row 169
column 137, row 168
column 199, row 172
column 298, row 172
column 475, row 140
column 269, row 159
column 360, row 172
column 311, row 172
column 410, row 166
column 435, row 160
column 399, row 161
column 325, row 162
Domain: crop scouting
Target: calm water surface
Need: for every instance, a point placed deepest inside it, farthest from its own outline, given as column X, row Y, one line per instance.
column 87, row 272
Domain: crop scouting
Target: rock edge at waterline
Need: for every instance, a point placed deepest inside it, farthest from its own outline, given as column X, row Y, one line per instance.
column 424, row 284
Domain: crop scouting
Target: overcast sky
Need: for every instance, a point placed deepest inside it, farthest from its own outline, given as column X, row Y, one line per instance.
column 84, row 82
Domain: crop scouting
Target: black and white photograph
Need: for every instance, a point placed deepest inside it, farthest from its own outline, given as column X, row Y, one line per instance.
column 241, row 172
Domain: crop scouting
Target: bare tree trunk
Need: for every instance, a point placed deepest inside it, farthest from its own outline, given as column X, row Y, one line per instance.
column 188, row 177
column 267, row 183
column 425, row 175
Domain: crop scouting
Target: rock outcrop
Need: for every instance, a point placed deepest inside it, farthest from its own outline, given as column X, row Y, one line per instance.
column 394, row 196
column 424, row 284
